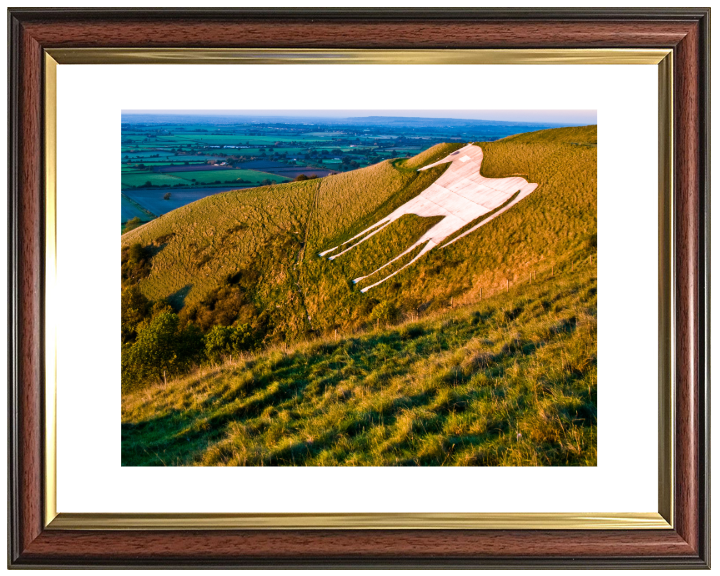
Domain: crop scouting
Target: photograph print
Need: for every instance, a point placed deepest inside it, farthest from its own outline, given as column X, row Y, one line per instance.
column 359, row 288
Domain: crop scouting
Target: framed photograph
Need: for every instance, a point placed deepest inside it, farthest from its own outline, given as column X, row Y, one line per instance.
column 397, row 288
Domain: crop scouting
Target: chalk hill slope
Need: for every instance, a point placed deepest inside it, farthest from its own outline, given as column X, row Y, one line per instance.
column 461, row 197
column 253, row 255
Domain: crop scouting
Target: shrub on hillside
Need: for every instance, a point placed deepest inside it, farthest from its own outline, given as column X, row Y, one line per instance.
column 385, row 312
column 132, row 224
column 222, row 306
column 161, row 349
column 135, row 264
column 224, row 341
column 134, row 308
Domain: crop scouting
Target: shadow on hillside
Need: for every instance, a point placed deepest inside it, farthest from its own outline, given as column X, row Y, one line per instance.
column 150, row 443
column 177, row 299
column 158, row 245
column 341, row 370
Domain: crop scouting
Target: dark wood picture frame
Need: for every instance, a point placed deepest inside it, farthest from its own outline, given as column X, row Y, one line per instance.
column 684, row 31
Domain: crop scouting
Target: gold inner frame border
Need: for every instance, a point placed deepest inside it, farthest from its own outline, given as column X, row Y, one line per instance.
column 662, row 519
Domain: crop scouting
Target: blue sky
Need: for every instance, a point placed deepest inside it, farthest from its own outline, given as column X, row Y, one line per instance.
column 580, row 117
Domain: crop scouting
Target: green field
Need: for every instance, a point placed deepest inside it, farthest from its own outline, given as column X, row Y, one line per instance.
column 130, row 209
column 240, row 139
column 149, row 156
column 139, row 178
column 136, row 179
column 133, row 165
column 211, row 176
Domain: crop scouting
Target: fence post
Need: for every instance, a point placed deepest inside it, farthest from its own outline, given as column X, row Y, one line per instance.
column 507, row 285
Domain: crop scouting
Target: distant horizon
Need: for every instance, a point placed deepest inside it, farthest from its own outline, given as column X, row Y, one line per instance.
column 564, row 117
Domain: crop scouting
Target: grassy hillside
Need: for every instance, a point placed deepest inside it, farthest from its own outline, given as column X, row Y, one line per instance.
column 509, row 380
column 264, row 242
column 253, row 254
column 242, row 346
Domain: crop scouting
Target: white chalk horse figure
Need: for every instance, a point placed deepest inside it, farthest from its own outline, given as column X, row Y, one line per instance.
column 461, row 195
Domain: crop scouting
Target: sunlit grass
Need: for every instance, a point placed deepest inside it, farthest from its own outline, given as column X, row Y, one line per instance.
column 278, row 231
column 511, row 380
column 439, row 366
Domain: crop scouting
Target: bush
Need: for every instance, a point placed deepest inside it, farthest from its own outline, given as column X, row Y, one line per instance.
column 160, row 350
column 224, row 341
column 411, row 331
column 223, row 306
column 134, row 264
column 134, row 308
column 385, row 312
column 132, row 224
column 136, row 253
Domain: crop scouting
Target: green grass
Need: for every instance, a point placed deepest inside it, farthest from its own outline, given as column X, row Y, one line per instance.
column 131, row 209
column 136, row 179
column 382, row 246
column 510, row 380
column 210, row 176
column 236, row 139
column 132, row 164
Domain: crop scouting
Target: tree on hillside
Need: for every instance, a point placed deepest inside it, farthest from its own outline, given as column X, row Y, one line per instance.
column 224, row 341
column 134, row 308
column 160, row 350
column 385, row 312
column 132, row 224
